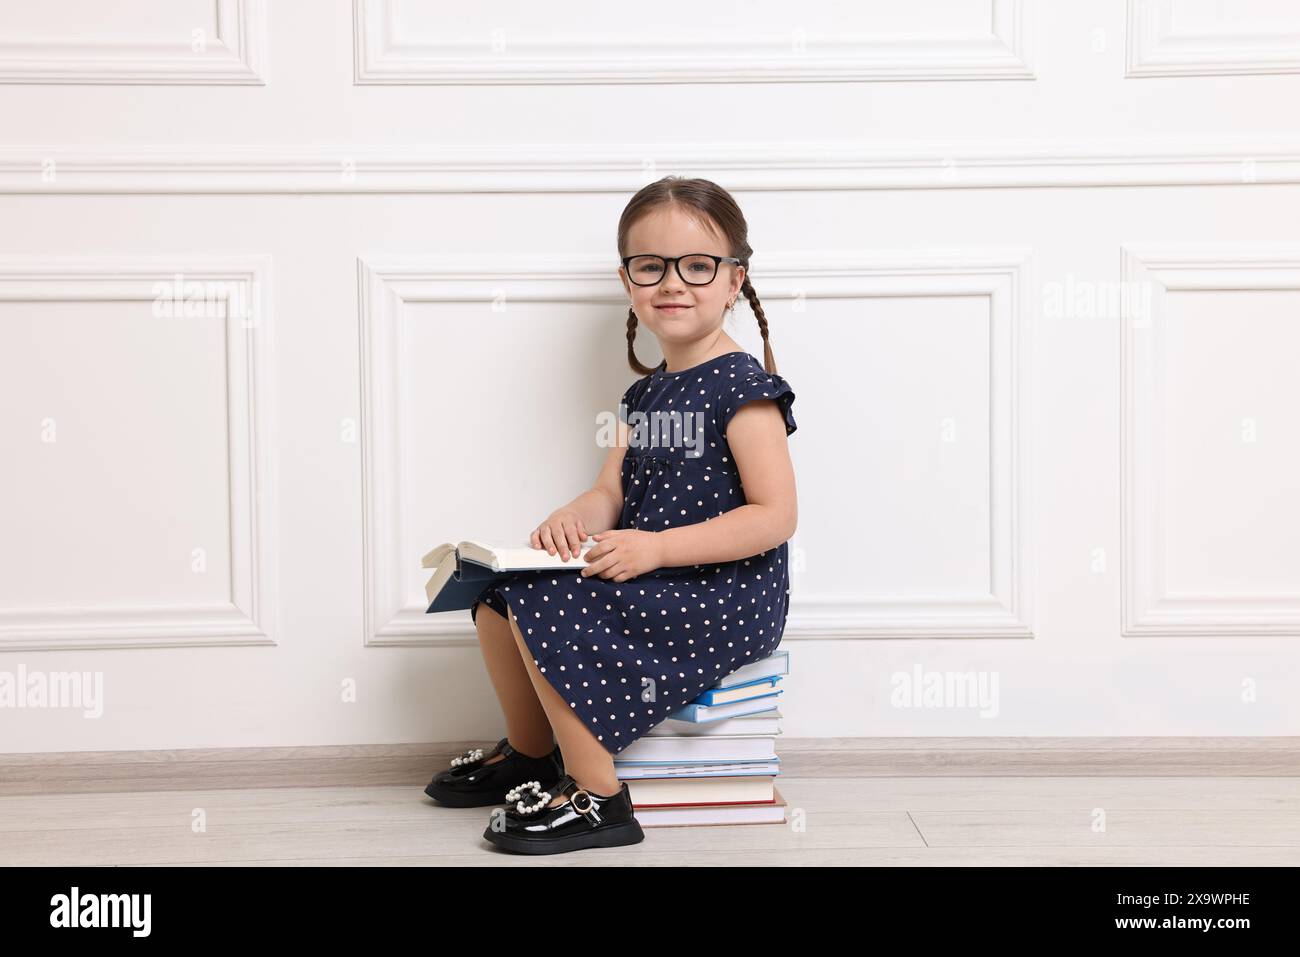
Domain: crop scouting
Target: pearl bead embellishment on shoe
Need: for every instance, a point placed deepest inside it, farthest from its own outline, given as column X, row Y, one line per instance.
column 517, row 794
column 469, row 757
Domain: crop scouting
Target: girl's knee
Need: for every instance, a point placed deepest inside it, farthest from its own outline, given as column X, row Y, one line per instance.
column 487, row 617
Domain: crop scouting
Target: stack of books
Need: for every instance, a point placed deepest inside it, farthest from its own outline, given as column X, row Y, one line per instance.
column 714, row 761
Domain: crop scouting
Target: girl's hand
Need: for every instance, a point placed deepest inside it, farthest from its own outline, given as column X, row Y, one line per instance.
column 561, row 531
column 624, row 553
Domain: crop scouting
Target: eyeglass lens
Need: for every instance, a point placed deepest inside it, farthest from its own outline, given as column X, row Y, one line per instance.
column 695, row 270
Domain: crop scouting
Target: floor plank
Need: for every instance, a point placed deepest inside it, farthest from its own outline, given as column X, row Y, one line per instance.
column 883, row 821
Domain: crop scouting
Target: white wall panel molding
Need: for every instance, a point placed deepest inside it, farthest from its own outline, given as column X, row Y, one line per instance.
column 1149, row 606
column 1000, row 275
column 234, row 55
column 394, row 612
column 624, row 169
column 1164, row 39
column 385, row 54
column 248, row 617
column 394, row 582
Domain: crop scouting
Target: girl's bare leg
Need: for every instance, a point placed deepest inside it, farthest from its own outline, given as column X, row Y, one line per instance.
column 527, row 726
column 585, row 758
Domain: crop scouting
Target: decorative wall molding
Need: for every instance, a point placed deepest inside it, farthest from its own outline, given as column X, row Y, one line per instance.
column 234, row 56
column 625, row 169
column 384, row 55
column 1148, row 609
column 248, row 618
column 394, row 612
column 1002, row 276
column 386, row 285
column 1157, row 48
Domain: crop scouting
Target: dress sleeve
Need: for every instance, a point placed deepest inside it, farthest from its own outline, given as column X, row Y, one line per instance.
column 627, row 404
column 756, row 385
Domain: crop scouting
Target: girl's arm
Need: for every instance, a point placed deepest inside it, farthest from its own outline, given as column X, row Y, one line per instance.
column 596, row 509
column 757, row 437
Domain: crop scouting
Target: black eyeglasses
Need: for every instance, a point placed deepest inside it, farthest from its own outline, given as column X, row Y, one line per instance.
column 699, row 271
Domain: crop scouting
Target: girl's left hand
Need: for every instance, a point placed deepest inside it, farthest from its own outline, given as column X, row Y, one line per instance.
column 624, row 553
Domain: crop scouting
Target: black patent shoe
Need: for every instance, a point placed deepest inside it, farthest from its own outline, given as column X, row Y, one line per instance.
column 469, row 782
column 528, row 826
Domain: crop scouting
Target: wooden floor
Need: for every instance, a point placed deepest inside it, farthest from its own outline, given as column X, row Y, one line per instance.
column 1065, row 821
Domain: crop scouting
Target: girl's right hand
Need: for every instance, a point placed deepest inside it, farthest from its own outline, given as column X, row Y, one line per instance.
column 562, row 531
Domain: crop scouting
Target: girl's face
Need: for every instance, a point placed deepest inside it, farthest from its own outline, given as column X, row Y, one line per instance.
column 669, row 232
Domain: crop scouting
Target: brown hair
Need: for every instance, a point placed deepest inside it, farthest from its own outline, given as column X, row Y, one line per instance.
column 713, row 206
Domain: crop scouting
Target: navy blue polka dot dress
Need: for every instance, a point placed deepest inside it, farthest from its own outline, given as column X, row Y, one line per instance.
column 626, row 655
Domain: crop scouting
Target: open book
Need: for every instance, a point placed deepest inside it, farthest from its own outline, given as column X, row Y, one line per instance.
column 462, row 571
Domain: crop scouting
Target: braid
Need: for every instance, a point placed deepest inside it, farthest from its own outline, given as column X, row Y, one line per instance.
column 750, row 295
column 747, row 289
column 632, row 360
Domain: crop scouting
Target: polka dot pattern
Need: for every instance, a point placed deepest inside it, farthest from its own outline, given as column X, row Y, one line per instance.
column 626, row 655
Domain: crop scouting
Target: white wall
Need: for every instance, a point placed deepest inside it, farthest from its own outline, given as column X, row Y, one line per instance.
column 1002, row 469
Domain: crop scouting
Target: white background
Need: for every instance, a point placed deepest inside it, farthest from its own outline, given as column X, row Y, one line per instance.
column 1002, row 469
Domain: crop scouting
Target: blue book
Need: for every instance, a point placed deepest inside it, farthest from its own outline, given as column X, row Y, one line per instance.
column 697, row 713
column 761, row 688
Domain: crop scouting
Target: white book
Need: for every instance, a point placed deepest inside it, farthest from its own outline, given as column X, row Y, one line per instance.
column 699, row 769
column 773, row 666
column 461, row 570
column 658, row 749
column 766, row 722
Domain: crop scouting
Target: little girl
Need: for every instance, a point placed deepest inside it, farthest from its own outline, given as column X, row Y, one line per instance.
column 691, row 579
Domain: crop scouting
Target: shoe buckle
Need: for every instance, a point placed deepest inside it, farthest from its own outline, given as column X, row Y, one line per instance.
column 586, row 811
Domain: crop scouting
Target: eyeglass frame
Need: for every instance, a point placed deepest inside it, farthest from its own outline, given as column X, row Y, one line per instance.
column 677, row 265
